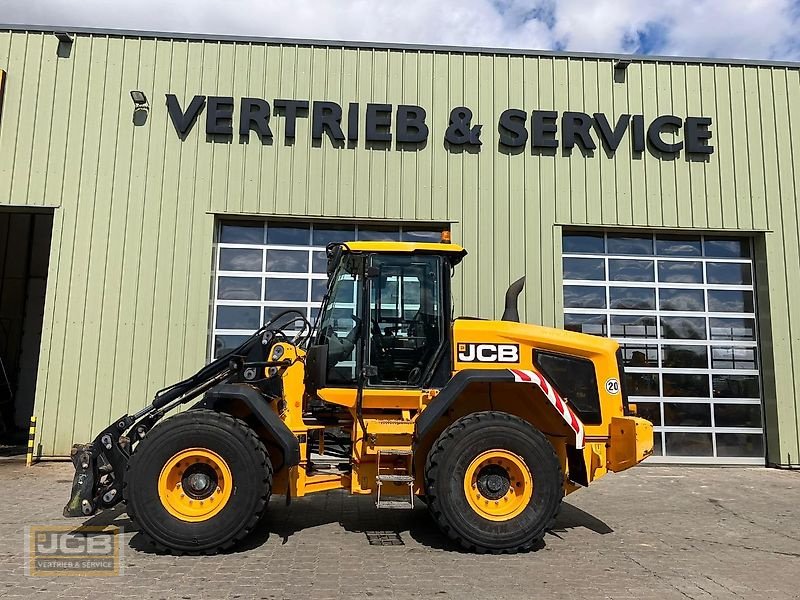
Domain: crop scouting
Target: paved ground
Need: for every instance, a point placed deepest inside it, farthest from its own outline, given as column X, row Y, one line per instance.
column 650, row 533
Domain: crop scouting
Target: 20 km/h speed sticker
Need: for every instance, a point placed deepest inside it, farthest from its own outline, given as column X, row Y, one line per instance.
column 612, row 386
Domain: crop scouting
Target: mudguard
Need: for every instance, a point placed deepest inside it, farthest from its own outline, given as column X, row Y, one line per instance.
column 462, row 379
column 223, row 394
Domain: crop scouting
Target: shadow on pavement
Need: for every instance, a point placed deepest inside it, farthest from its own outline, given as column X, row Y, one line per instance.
column 359, row 515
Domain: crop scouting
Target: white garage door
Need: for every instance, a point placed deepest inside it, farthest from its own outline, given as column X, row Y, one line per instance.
column 683, row 310
column 263, row 268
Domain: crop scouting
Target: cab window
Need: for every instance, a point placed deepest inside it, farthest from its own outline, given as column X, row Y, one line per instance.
column 405, row 312
column 339, row 326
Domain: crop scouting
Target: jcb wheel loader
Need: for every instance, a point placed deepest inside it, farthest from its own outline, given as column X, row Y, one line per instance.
column 490, row 423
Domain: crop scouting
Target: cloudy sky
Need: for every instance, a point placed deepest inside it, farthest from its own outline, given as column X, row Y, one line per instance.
column 757, row 29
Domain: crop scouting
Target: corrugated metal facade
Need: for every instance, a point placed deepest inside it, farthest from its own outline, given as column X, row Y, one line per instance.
column 128, row 294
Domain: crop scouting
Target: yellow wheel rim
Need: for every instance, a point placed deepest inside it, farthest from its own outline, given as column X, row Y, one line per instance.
column 498, row 485
column 195, row 484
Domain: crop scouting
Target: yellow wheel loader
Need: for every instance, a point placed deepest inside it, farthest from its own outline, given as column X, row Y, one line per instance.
column 490, row 423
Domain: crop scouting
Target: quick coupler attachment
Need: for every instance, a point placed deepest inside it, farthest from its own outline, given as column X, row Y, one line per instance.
column 81, row 502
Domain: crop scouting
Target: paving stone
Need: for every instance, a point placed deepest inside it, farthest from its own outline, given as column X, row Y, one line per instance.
column 651, row 533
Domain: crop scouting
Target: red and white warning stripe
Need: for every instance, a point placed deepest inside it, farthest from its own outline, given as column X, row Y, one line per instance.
column 522, row 376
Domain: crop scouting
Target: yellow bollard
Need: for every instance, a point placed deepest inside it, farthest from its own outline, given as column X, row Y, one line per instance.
column 31, row 438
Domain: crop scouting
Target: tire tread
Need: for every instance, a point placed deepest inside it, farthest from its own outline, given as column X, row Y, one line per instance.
column 448, row 436
column 206, row 415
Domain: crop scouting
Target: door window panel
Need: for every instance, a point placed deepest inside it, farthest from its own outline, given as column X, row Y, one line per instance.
column 739, row 301
column 680, row 271
column 675, row 245
column 641, row 384
column 586, row 323
column 722, row 247
column 650, row 411
column 585, row 268
column 285, row 290
column 684, row 357
column 239, row 288
column 592, row 243
column 633, row 326
column 685, row 385
column 729, row 273
column 683, row 300
column 740, row 444
column 734, row 357
column 735, row 386
column 584, row 296
column 239, row 259
column 682, row 443
column 630, row 244
column 632, row 298
column 734, row 329
column 683, row 328
column 634, row 355
column 687, row 414
column 737, row 415
column 622, row 269
column 406, row 325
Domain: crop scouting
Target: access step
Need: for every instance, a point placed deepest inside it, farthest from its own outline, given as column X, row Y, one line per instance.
column 402, row 504
column 392, row 452
column 394, row 478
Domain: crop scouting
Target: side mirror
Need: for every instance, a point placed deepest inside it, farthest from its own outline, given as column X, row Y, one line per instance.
column 316, row 372
column 334, row 254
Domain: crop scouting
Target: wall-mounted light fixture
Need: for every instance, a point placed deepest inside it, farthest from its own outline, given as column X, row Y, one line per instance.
column 139, row 99
column 621, row 64
column 63, row 37
column 140, row 107
column 620, row 68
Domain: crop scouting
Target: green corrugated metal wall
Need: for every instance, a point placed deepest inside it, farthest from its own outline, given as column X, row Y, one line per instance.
column 128, row 294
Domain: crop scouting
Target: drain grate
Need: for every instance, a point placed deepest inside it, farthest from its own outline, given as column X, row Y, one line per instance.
column 384, row 538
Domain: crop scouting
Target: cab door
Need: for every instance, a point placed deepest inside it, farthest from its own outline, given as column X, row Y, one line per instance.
column 407, row 327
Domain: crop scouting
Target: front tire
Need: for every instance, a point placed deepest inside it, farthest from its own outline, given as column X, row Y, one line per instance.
column 493, row 482
column 198, row 482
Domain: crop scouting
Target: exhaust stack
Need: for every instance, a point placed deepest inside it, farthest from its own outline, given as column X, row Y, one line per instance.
column 512, row 295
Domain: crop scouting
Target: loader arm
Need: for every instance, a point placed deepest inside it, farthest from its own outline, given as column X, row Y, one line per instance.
column 100, row 465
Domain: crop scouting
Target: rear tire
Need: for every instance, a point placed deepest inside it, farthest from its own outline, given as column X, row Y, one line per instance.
column 493, row 483
column 220, row 464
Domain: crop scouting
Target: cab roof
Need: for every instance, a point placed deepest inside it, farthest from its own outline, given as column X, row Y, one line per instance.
column 453, row 251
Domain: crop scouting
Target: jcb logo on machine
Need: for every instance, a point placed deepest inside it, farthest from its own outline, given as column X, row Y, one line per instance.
column 502, row 353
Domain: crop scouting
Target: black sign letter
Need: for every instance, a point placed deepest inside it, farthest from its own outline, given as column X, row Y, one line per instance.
column 637, row 132
column 219, row 117
column 184, row 122
column 291, row 109
column 655, row 129
column 512, row 128
column 575, row 125
column 410, row 124
column 543, row 125
column 697, row 134
column 379, row 116
column 352, row 122
column 254, row 114
column 327, row 117
column 611, row 139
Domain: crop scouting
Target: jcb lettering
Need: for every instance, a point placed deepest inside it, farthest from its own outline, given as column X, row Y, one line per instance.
column 504, row 353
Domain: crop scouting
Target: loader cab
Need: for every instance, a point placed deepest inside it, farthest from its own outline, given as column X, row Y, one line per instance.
column 385, row 320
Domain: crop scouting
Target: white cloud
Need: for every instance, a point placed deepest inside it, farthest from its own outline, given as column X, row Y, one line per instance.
column 755, row 29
